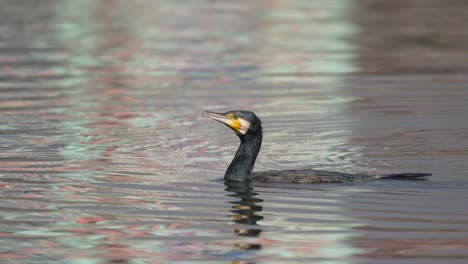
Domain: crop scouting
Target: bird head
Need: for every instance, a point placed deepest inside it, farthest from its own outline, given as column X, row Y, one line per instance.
column 242, row 122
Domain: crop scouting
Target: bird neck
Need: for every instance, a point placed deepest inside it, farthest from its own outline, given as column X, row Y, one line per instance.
column 244, row 160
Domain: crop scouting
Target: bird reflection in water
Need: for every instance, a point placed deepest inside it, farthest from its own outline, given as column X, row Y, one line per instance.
column 244, row 211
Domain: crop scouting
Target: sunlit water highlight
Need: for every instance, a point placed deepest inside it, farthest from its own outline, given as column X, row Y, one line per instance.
column 104, row 156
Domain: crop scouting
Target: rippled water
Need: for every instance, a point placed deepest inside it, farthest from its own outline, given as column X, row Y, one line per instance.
column 104, row 156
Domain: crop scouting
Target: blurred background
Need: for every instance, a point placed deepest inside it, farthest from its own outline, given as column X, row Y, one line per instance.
column 104, row 156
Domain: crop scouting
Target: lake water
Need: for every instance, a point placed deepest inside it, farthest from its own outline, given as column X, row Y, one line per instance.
column 105, row 158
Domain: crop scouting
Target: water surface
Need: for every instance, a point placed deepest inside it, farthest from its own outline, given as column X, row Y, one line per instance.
column 104, row 156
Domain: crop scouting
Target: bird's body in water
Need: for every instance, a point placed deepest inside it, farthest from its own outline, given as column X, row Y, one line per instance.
column 248, row 128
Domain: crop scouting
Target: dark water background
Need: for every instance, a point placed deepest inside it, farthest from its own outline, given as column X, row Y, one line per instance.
column 104, row 156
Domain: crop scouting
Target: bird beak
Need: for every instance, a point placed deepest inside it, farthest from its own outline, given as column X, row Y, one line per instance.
column 218, row 117
column 239, row 125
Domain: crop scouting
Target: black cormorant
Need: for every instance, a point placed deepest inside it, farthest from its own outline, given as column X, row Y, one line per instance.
column 248, row 128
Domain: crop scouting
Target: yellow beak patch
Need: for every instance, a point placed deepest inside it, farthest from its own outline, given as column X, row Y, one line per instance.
column 235, row 123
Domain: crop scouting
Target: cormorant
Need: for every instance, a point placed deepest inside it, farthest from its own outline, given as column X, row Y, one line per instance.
column 248, row 128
